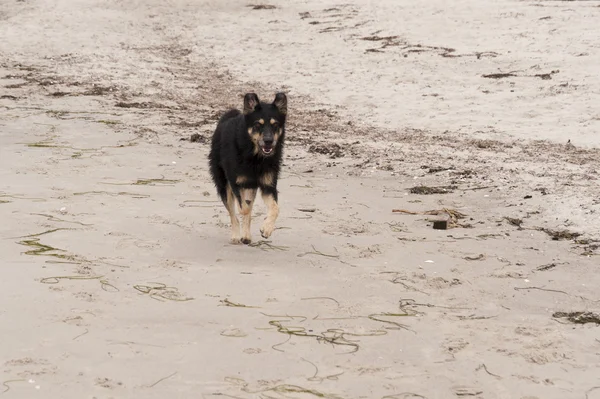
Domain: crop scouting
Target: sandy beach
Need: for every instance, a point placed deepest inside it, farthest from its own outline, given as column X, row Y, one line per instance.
column 118, row 277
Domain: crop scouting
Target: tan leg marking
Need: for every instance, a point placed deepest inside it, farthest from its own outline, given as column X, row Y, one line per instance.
column 248, row 196
column 267, row 179
column 272, row 214
column 235, row 224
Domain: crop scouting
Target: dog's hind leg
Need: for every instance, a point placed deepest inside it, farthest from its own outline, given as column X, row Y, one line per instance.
column 269, row 195
column 248, row 196
column 235, row 224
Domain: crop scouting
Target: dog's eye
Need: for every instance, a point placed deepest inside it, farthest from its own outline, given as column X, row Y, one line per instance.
column 275, row 125
column 256, row 125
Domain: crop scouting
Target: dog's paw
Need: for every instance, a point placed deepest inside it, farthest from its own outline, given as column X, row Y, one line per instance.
column 246, row 240
column 267, row 230
column 235, row 240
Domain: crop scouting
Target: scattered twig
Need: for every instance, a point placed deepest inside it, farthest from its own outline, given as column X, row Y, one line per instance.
column 514, row 221
column 210, row 201
column 267, row 245
column 397, row 326
column 545, row 76
column 477, row 188
column 161, row 380
column 161, row 290
column 40, row 249
column 485, row 236
column 301, row 186
column 467, row 392
column 411, row 302
column 145, row 182
column 261, row 6
column 81, row 335
column 499, row 75
column 133, row 195
column 332, row 336
column 558, row 291
column 578, row 317
column 321, row 297
column 541, row 289
column 299, row 217
column 135, row 343
column 42, row 233
column 546, row 267
column 398, row 280
column 56, row 280
column 317, row 317
column 282, row 343
column 5, row 384
column 332, row 377
column 558, row 235
column 55, row 219
column 425, row 190
column 316, row 252
column 587, row 393
column 104, row 284
column 404, row 211
column 478, row 257
column 227, row 302
column 304, row 318
column 287, row 389
column 473, row 317
column 3, row 195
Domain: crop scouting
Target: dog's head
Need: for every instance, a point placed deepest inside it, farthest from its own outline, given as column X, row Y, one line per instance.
column 265, row 122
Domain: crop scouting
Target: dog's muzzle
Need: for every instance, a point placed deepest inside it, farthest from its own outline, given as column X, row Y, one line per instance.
column 267, row 147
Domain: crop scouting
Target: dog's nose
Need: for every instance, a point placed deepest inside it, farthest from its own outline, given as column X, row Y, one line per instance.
column 268, row 142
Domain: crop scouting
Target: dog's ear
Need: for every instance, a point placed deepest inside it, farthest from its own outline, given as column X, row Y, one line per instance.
column 281, row 102
column 251, row 101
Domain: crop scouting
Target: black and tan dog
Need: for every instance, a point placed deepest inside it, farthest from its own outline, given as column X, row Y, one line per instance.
column 246, row 154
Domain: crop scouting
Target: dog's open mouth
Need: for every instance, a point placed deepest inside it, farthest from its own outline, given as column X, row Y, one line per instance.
column 267, row 150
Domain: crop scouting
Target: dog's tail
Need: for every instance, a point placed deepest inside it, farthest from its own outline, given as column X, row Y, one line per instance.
column 216, row 172
column 220, row 181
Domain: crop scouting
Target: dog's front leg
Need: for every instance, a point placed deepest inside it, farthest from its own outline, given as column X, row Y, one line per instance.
column 269, row 196
column 248, row 195
column 235, row 224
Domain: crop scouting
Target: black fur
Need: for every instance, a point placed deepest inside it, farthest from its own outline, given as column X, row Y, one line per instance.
column 237, row 153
